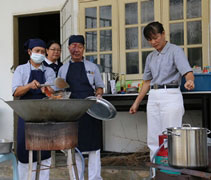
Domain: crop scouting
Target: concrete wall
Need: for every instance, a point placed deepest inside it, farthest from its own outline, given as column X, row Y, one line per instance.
column 128, row 133
column 7, row 10
column 125, row 133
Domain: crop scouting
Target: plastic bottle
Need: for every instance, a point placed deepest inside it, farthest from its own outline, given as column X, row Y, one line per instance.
column 140, row 85
column 122, row 83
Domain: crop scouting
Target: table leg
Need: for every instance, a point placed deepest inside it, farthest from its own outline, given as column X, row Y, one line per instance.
column 74, row 164
column 69, row 164
column 38, row 165
column 208, row 120
column 204, row 111
column 30, row 165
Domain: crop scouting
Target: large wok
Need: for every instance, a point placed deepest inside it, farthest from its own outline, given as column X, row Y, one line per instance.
column 45, row 110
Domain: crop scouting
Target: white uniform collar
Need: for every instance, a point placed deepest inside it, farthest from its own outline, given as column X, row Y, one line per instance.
column 74, row 62
column 50, row 62
column 41, row 67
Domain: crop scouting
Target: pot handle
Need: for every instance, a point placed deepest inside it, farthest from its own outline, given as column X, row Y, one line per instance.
column 170, row 133
column 164, row 133
column 208, row 131
column 186, row 125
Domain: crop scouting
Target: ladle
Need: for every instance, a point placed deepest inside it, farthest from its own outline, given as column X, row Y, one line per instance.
column 58, row 82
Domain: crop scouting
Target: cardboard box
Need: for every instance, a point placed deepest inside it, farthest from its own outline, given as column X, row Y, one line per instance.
column 202, row 82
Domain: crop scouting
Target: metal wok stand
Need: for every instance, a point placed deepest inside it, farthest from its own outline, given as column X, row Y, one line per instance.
column 51, row 136
column 51, row 125
column 71, row 165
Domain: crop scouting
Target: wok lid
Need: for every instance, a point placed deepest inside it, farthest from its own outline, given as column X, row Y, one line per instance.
column 102, row 109
column 55, row 110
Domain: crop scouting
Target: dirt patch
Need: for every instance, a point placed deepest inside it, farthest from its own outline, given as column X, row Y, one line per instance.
column 122, row 159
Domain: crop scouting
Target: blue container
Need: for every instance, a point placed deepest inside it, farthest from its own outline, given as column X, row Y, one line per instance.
column 163, row 160
column 202, row 83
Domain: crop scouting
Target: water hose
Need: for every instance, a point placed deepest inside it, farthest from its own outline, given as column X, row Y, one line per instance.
column 154, row 155
column 83, row 164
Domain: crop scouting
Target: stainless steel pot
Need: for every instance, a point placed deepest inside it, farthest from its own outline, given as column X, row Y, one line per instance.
column 187, row 147
column 5, row 146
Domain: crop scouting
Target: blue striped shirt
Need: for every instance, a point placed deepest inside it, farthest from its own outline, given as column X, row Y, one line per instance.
column 167, row 66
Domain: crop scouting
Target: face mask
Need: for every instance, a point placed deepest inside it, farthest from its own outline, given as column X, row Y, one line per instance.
column 37, row 58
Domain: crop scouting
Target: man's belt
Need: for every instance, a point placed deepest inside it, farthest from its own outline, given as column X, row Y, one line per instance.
column 156, row 86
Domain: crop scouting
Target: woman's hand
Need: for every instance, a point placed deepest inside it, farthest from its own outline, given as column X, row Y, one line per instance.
column 189, row 85
column 34, row 84
column 47, row 90
column 189, row 77
column 134, row 108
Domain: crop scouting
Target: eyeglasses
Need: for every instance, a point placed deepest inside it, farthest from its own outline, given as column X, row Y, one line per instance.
column 58, row 50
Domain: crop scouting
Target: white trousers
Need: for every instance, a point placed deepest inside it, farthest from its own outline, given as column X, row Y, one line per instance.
column 94, row 165
column 23, row 170
column 164, row 109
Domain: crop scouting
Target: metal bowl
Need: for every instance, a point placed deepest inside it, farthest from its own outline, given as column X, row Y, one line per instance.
column 5, row 146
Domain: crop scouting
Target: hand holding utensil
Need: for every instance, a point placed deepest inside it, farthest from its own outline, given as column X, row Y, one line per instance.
column 58, row 82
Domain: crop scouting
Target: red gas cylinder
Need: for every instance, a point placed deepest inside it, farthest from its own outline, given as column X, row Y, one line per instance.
column 164, row 150
column 162, row 155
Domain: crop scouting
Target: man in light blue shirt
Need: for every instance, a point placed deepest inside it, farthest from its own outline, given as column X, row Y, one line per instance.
column 85, row 80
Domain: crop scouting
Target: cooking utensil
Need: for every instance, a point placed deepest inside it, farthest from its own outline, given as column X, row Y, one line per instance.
column 58, row 82
column 5, row 146
column 55, row 110
column 107, row 76
column 187, row 147
column 101, row 109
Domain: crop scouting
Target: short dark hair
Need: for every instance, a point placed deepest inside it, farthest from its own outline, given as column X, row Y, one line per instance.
column 52, row 42
column 152, row 29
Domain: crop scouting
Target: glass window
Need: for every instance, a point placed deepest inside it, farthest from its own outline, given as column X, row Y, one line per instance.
column 194, row 32
column 106, row 62
column 131, row 38
column 193, row 8
column 131, row 13
column 91, row 41
column 195, row 56
column 176, row 9
column 105, row 16
column 144, row 42
column 147, row 11
column 92, row 58
column 105, row 40
column 91, row 17
column 132, row 63
column 144, row 58
column 177, row 33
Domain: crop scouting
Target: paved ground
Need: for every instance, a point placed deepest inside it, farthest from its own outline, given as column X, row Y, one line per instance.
column 108, row 172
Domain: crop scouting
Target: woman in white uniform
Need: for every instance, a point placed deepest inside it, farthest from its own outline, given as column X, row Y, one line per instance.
column 163, row 71
column 26, row 85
